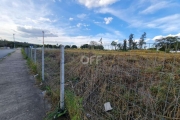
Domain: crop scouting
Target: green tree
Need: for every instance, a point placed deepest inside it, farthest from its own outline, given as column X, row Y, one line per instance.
column 84, row 46
column 134, row 45
column 67, row 46
column 74, row 46
column 130, row 41
column 125, row 45
column 114, row 44
column 100, row 47
column 167, row 43
column 142, row 40
column 119, row 46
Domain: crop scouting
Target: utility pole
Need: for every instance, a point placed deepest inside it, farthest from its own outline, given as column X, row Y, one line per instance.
column 14, row 40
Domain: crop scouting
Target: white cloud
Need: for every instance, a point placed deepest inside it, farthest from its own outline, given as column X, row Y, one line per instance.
column 25, row 23
column 44, row 19
column 159, row 37
column 82, row 24
column 96, row 22
column 29, row 24
column 96, row 3
column 167, row 24
column 28, row 31
column 155, row 7
column 57, row 0
column 121, row 14
column 178, row 35
column 71, row 19
column 108, row 20
column 79, row 25
column 81, row 16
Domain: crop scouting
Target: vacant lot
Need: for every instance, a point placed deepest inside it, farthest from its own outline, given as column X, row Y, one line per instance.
column 138, row 84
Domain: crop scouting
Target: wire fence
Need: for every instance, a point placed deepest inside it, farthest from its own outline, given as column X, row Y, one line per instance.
column 108, row 84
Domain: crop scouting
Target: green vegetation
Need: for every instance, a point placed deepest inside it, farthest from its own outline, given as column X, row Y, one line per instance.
column 67, row 46
column 30, row 63
column 74, row 46
column 5, row 43
column 87, row 46
column 74, row 105
column 55, row 114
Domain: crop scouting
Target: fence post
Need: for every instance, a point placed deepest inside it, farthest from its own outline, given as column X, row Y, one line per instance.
column 24, row 50
column 43, row 63
column 34, row 55
column 28, row 52
column 62, row 78
column 31, row 53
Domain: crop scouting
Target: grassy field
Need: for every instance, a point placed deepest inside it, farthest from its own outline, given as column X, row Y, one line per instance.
column 141, row 84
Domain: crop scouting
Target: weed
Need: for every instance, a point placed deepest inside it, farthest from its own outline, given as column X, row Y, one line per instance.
column 74, row 105
column 52, row 115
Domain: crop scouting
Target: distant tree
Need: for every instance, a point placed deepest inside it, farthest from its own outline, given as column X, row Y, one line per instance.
column 50, row 46
column 125, row 45
column 74, row 46
column 130, row 41
column 119, row 46
column 142, row 40
column 134, row 45
column 100, row 47
column 114, row 44
column 84, row 46
column 176, row 44
column 67, row 46
column 100, row 41
column 171, row 40
column 167, row 43
column 93, row 43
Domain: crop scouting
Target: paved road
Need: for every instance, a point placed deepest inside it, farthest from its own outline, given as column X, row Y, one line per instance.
column 20, row 99
column 4, row 52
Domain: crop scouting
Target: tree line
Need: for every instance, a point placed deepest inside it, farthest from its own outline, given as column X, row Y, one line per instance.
column 168, row 43
column 164, row 44
column 130, row 43
column 10, row 44
column 5, row 43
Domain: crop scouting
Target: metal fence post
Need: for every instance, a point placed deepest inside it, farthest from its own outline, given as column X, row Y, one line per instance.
column 25, row 51
column 34, row 55
column 43, row 63
column 62, row 78
column 28, row 52
column 31, row 53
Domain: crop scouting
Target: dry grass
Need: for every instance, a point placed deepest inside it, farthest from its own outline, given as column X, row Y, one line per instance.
column 138, row 84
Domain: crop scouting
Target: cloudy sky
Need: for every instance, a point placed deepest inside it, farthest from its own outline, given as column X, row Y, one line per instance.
column 80, row 21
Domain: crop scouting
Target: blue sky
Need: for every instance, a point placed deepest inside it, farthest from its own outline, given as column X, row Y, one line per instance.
column 80, row 21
